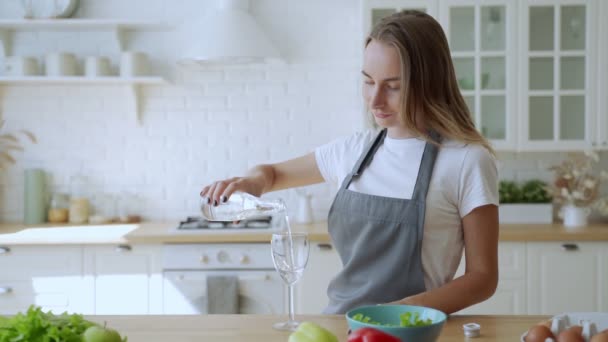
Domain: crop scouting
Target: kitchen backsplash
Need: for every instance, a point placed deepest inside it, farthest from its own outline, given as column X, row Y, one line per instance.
column 209, row 123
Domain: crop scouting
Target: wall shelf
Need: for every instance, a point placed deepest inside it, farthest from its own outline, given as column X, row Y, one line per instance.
column 131, row 85
column 117, row 27
column 79, row 25
column 108, row 80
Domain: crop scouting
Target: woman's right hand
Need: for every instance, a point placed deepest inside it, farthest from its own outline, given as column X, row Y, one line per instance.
column 296, row 172
column 219, row 191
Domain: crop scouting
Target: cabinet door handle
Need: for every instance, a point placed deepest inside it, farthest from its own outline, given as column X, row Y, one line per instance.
column 570, row 247
column 4, row 250
column 123, row 248
column 325, row 246
column 5, row 290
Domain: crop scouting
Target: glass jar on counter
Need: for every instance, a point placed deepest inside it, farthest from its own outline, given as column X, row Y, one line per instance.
column 59, row 208
column 104, row 209
column 79, row 203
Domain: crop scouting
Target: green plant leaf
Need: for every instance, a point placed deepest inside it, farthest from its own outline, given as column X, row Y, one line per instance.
column 535, row 191
column 38, row 326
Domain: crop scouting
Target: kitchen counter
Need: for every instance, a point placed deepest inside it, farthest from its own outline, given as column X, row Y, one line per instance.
column 258, row 328
column 164, row 232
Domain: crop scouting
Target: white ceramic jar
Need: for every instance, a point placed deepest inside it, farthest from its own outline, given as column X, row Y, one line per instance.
column 133, row 64
column 20, row 66
column 95, row 66
column 61, row 64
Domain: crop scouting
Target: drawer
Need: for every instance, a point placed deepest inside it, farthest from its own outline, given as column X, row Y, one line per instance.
column 25, row 262
column 58, row 294
column 17, row 296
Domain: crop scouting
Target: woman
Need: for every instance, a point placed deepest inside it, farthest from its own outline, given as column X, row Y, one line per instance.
column 412, row 195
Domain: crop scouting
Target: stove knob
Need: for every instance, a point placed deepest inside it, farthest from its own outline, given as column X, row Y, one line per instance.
column 204, row 259
column 222, row 256
column 244, row 259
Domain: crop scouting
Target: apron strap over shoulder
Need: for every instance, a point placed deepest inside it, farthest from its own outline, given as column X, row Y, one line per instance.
column 426, row 164
column 365, row 159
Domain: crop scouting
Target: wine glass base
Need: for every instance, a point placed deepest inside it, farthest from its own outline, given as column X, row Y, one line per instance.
column 287, row 326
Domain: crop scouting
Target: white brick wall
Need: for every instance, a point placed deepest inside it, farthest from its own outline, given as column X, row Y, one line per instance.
column 210, row 123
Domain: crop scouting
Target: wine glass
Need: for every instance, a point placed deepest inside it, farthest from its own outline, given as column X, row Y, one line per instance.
column 290, row 256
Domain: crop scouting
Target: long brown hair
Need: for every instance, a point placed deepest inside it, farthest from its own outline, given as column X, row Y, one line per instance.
column 430, row 97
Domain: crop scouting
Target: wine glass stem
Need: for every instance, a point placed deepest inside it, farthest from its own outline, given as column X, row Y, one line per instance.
column 290, row 300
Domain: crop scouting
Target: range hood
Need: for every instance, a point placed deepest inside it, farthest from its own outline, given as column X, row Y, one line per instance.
column 228, row 35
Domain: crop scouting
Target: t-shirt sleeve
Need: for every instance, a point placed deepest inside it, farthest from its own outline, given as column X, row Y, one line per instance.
column 478, row 184
column 328, row 157
column 336, row 158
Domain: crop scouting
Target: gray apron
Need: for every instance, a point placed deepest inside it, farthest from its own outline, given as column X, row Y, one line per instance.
column 379, row 239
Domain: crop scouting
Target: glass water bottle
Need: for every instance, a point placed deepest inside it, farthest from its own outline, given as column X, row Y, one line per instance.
column 241, row 206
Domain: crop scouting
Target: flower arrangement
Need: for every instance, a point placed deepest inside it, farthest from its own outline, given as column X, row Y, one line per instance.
column 576, row 183
column 9, row 143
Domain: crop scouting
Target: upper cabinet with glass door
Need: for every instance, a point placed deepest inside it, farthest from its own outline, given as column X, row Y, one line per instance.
column 556, row 80
column 375, row 10
column 482, row 41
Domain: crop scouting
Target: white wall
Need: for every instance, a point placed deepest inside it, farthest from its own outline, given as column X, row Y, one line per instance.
column 208, row 124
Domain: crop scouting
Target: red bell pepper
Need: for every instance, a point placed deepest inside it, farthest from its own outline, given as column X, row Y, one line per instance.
column 371, row 335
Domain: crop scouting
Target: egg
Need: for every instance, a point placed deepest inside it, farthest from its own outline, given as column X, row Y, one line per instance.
column 538, row 333
column 600, row 337
column 572, row 334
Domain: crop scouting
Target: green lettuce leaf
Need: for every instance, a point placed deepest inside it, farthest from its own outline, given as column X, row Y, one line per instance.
column 38, row 326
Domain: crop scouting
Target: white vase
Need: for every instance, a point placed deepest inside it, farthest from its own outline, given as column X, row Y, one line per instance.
column 575, row 217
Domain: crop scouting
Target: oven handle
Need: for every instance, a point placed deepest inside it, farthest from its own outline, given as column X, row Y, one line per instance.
column 264, row 277
column 255, row 277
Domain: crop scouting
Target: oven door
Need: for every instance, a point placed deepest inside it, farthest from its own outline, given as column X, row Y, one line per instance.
column 260, row 291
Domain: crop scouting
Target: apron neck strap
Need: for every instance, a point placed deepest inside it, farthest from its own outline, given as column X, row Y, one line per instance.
column 426, row 167
column 365, row 159
column 424, row 172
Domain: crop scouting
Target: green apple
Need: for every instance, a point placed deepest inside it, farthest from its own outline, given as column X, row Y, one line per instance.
column 311, row 332
column 98, row 333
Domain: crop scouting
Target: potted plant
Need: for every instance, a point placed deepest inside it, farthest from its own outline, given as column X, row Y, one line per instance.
column 529, row 202
column 9, row 143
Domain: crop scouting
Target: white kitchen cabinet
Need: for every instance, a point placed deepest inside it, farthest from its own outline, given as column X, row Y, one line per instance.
column 510, row 295
column 530, row 71
column 49, row 277
column 557, row 79
column 566, row 276
column 602, row 84
column 481, row 35
column 311, row 291
column 126, row 279
column 374, row 10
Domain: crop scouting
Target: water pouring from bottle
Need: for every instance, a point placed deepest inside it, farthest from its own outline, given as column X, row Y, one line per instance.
column 289, row 250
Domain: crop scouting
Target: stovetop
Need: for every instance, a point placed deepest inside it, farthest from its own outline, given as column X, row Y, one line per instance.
column 195, row 223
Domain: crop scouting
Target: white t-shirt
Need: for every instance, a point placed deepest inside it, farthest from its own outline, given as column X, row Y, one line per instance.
column 464, row 177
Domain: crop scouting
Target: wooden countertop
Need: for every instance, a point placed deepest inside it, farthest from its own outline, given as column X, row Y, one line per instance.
column 164, row 232
column 258, row 328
